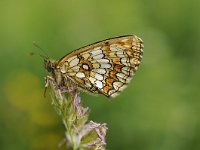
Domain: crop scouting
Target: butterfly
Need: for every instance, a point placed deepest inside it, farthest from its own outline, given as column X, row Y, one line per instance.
column 104, row 67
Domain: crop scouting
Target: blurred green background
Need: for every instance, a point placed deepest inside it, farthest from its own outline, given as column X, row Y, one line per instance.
column 160, row 108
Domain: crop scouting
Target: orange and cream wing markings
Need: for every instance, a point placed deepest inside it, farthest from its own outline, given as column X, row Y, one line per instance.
column 104, row 67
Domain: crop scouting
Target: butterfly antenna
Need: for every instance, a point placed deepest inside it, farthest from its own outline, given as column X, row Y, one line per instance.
column 43, row 51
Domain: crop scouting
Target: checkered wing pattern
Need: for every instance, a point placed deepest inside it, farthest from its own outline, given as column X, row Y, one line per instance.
column 104, row 67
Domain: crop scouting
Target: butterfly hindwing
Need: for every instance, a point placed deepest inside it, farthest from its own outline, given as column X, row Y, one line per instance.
column 104, row 67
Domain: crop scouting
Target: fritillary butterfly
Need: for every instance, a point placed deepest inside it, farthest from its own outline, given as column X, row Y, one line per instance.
column 104, row 67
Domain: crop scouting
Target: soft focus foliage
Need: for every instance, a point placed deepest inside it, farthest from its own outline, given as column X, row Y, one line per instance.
column 159, row 109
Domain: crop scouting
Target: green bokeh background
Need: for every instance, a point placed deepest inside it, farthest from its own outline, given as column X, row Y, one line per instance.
column 160, row 108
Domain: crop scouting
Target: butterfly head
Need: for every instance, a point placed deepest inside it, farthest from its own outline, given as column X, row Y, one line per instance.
column 49, row 65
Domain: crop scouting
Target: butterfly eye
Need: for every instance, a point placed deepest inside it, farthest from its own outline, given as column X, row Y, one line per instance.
column 48, row 65
column 49, row 68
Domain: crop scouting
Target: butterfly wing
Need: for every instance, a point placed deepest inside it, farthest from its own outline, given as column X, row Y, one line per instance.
column 104, row 67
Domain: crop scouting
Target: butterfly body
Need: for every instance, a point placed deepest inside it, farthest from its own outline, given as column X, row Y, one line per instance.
column 104, row 67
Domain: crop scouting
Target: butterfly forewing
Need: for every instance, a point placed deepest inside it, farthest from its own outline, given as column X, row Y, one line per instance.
column 104, row 67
